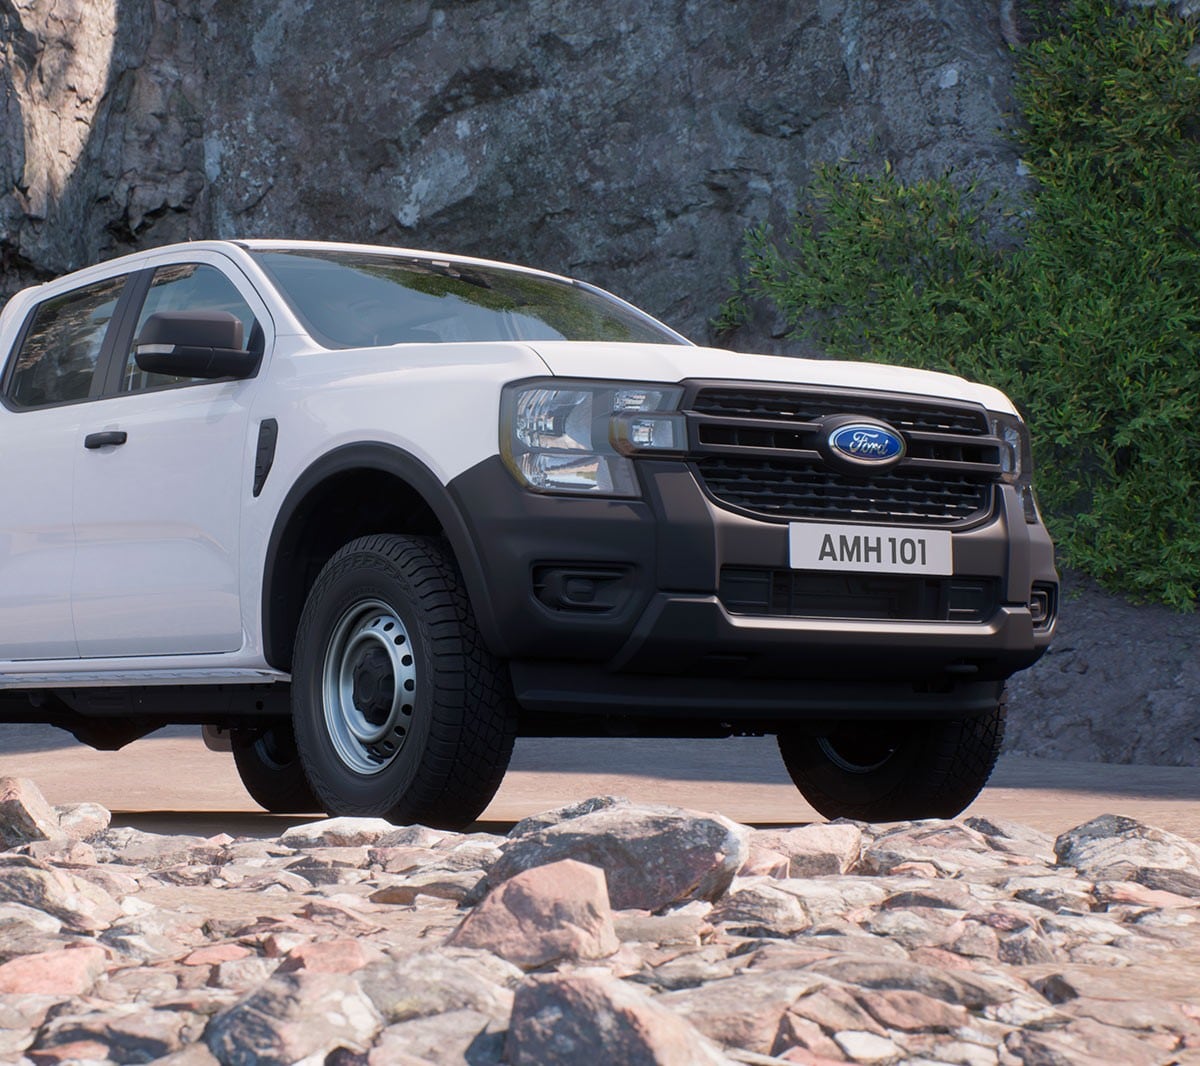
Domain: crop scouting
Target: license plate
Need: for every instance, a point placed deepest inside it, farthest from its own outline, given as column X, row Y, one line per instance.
column 813, row 546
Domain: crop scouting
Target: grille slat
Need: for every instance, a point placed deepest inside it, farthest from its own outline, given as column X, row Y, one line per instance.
column 915, row 491
column 806, row 406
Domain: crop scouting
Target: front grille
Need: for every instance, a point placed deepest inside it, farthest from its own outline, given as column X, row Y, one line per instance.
column 760, row 451
column 810, row 405
column 880, row 597
column 800, row 489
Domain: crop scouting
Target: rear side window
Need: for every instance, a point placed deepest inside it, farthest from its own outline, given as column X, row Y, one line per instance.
column 58, row 356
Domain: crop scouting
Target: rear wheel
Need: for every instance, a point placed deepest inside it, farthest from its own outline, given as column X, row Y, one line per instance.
column 399, row 709
column 883, row 771
column 269, row 766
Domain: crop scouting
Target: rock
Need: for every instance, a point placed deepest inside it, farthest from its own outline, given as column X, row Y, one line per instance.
column 585, row 1018
column 212, row 954
column 342, row 955
column 744, row 1010
column 680, row 927
column 77, row 903
column 1180, row 882
column 70, row 971
column 1112, row 848
column 866, row 1047
column 1014, row 838
column 911, row 1011
column 948, row 847
column 652, row 855
column 126, row 1033
column 82, row 821
column 294, row 1017
column 1083, row 1041
column 131, row 847
column 436, row 881
column 815, row 850
column 430, row 982
column 763, row 862
column 760, row 909
column 454, row 1037
column 24, row 813
column 338, row 833
column 550, row 912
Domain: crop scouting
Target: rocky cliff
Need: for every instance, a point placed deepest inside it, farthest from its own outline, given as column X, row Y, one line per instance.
column 627, row 143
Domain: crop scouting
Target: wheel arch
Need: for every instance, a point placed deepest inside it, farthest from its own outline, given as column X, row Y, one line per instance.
column 305, row 534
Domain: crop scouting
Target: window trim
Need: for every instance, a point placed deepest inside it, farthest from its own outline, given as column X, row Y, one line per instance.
column 116, row 325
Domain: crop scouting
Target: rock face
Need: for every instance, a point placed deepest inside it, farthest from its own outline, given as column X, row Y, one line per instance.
column 917, row 943
column 626, row 143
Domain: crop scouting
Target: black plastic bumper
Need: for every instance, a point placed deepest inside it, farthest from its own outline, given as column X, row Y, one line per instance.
column 615, row 605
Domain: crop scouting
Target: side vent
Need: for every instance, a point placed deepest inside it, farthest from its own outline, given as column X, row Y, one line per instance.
column 264, row 454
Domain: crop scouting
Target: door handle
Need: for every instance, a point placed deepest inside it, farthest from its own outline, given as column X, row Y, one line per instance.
column 109, row 436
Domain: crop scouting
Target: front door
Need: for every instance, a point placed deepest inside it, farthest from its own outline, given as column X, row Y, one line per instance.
column 157, row 511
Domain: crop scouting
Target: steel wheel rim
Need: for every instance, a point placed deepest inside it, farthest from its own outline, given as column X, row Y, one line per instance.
column 855, row 762
column 369, row 652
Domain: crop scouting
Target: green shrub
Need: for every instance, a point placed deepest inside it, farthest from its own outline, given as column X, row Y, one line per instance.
column 1091, row 324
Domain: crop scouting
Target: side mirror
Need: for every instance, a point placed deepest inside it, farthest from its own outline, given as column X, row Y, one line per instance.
column 194, row 344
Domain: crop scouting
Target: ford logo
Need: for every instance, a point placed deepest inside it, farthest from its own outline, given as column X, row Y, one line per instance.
column 866, row 443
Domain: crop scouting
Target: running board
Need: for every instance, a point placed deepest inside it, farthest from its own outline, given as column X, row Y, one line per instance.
column 139, row 678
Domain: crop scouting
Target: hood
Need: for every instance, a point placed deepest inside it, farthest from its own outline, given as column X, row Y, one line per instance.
column 677, row 362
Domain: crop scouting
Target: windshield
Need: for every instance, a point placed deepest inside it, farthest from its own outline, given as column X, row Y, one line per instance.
column 360, row 299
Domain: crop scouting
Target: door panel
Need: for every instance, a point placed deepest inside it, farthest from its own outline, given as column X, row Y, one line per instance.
column 157, row 518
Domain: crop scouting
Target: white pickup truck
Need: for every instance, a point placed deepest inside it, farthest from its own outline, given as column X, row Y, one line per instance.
column 367, row 514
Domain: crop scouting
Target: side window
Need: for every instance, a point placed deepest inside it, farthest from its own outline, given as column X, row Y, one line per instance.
column 187, row 287
column 57, row 360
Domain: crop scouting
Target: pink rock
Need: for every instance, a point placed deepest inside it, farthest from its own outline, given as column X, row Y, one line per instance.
column 68, row 971
column 551, row 912
column 213, row 954
column 815, row 850
column 764, row 862
column 1141, row 896
column 82, row 821
column 24, row 813
column 325, row 956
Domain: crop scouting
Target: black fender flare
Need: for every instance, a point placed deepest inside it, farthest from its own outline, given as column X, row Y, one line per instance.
column 405, row 467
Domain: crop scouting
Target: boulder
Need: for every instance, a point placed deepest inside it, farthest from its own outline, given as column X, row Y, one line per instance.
column 339, row 833
column 430, row 982
column 1113, row 848
column 544, row 914
column 77, row 903
column 294, row 1017
column 567, row 1020
column 652, row 855
column 815, row 850
column 24, row 813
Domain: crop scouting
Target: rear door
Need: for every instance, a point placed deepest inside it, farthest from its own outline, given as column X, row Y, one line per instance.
column 47, row 387
column 157, row 515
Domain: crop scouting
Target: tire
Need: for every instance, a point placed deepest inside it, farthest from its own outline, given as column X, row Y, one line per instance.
column 400, row 711
column 881, row 771
column 270, row 768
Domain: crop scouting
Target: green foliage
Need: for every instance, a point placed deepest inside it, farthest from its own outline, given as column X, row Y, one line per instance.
column 1092, row 324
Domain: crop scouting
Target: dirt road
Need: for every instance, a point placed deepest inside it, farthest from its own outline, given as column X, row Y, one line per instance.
column 171, row 783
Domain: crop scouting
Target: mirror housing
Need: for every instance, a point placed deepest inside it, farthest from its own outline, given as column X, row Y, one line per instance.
column 194, row 344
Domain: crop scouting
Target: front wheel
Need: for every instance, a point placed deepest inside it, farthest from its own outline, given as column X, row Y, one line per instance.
column 883, row 771
column 399, row 710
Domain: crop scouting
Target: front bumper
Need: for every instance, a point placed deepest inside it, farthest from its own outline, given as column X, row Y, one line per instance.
column 658, row 636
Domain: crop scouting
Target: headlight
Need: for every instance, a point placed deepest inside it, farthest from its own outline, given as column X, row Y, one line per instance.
column 1016, row 460
column 577, row 436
